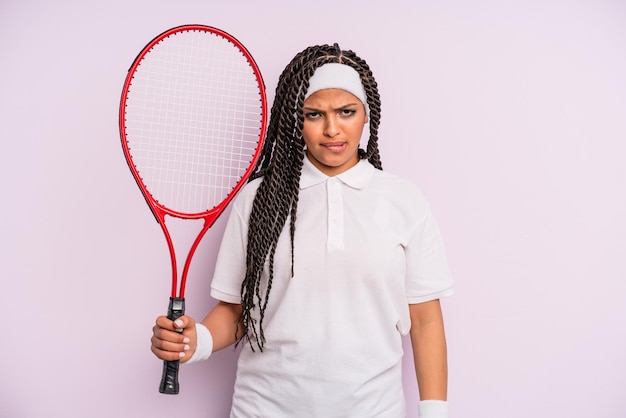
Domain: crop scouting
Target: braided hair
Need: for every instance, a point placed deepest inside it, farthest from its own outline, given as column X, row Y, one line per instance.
column 280, row 166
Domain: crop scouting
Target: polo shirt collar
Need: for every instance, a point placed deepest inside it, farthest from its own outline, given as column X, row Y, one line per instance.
column 356, row 177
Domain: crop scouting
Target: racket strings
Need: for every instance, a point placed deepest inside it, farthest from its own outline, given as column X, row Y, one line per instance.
column 193, row 120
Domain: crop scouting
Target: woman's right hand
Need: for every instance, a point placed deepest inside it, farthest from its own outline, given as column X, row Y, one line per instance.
column 174, row 340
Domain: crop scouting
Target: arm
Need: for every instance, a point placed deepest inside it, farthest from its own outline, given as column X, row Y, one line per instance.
column 429, row 350
column 222, row 322
column 224, row 325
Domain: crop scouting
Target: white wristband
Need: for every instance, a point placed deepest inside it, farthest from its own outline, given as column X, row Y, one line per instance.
column 204, row 347
column 433, row 409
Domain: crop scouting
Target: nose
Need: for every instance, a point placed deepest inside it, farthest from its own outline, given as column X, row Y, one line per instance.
column 331, row 126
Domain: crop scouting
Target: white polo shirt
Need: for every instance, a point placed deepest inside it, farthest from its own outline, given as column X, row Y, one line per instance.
column 366, row 246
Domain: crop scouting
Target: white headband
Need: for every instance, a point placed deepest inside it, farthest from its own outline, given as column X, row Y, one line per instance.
column 338, row 76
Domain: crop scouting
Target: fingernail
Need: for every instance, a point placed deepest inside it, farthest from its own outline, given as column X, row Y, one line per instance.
column 186, row 348
column 178, row 323
column 181, row 355
column 185, row 340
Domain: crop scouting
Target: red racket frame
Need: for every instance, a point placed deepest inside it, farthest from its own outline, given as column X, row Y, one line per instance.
column 159, row 211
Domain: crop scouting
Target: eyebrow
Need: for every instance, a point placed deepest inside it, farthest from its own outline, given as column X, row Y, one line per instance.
column 339, row 108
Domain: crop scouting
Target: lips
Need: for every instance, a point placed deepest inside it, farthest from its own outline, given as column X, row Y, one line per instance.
column 335, row 146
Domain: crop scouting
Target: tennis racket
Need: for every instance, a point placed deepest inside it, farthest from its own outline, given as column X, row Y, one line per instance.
column 192, row 122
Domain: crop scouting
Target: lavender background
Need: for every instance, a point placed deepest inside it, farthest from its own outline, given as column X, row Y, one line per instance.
column 511, row 116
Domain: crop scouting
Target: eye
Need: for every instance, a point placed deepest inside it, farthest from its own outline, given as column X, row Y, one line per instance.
column 347, row 112
column 312, row 115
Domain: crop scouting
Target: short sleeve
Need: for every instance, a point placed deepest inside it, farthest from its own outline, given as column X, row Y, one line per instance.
column 428, row 275
column 230, row 267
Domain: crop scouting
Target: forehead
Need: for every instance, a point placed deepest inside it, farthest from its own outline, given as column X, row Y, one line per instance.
column 331, row 97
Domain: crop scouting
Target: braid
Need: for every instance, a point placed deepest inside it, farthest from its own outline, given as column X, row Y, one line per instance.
column 280, row 166
column 373, row 101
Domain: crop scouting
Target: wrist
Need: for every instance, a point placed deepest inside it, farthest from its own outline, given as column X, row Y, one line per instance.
column 204, row 344
column 433, row 409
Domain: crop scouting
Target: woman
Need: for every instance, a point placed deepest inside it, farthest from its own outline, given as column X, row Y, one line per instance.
column 326, row 261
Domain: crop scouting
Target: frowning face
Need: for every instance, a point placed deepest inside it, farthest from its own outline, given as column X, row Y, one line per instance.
column 333, row 124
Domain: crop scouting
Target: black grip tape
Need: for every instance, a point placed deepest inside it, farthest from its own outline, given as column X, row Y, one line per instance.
column 169, row 380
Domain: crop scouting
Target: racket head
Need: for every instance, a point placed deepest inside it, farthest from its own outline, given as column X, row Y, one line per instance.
column 192, row 121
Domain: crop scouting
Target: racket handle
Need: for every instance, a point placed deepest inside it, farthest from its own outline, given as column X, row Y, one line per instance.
column 169, row 380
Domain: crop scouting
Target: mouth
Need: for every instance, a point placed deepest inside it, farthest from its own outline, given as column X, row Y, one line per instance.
column 335, row 146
